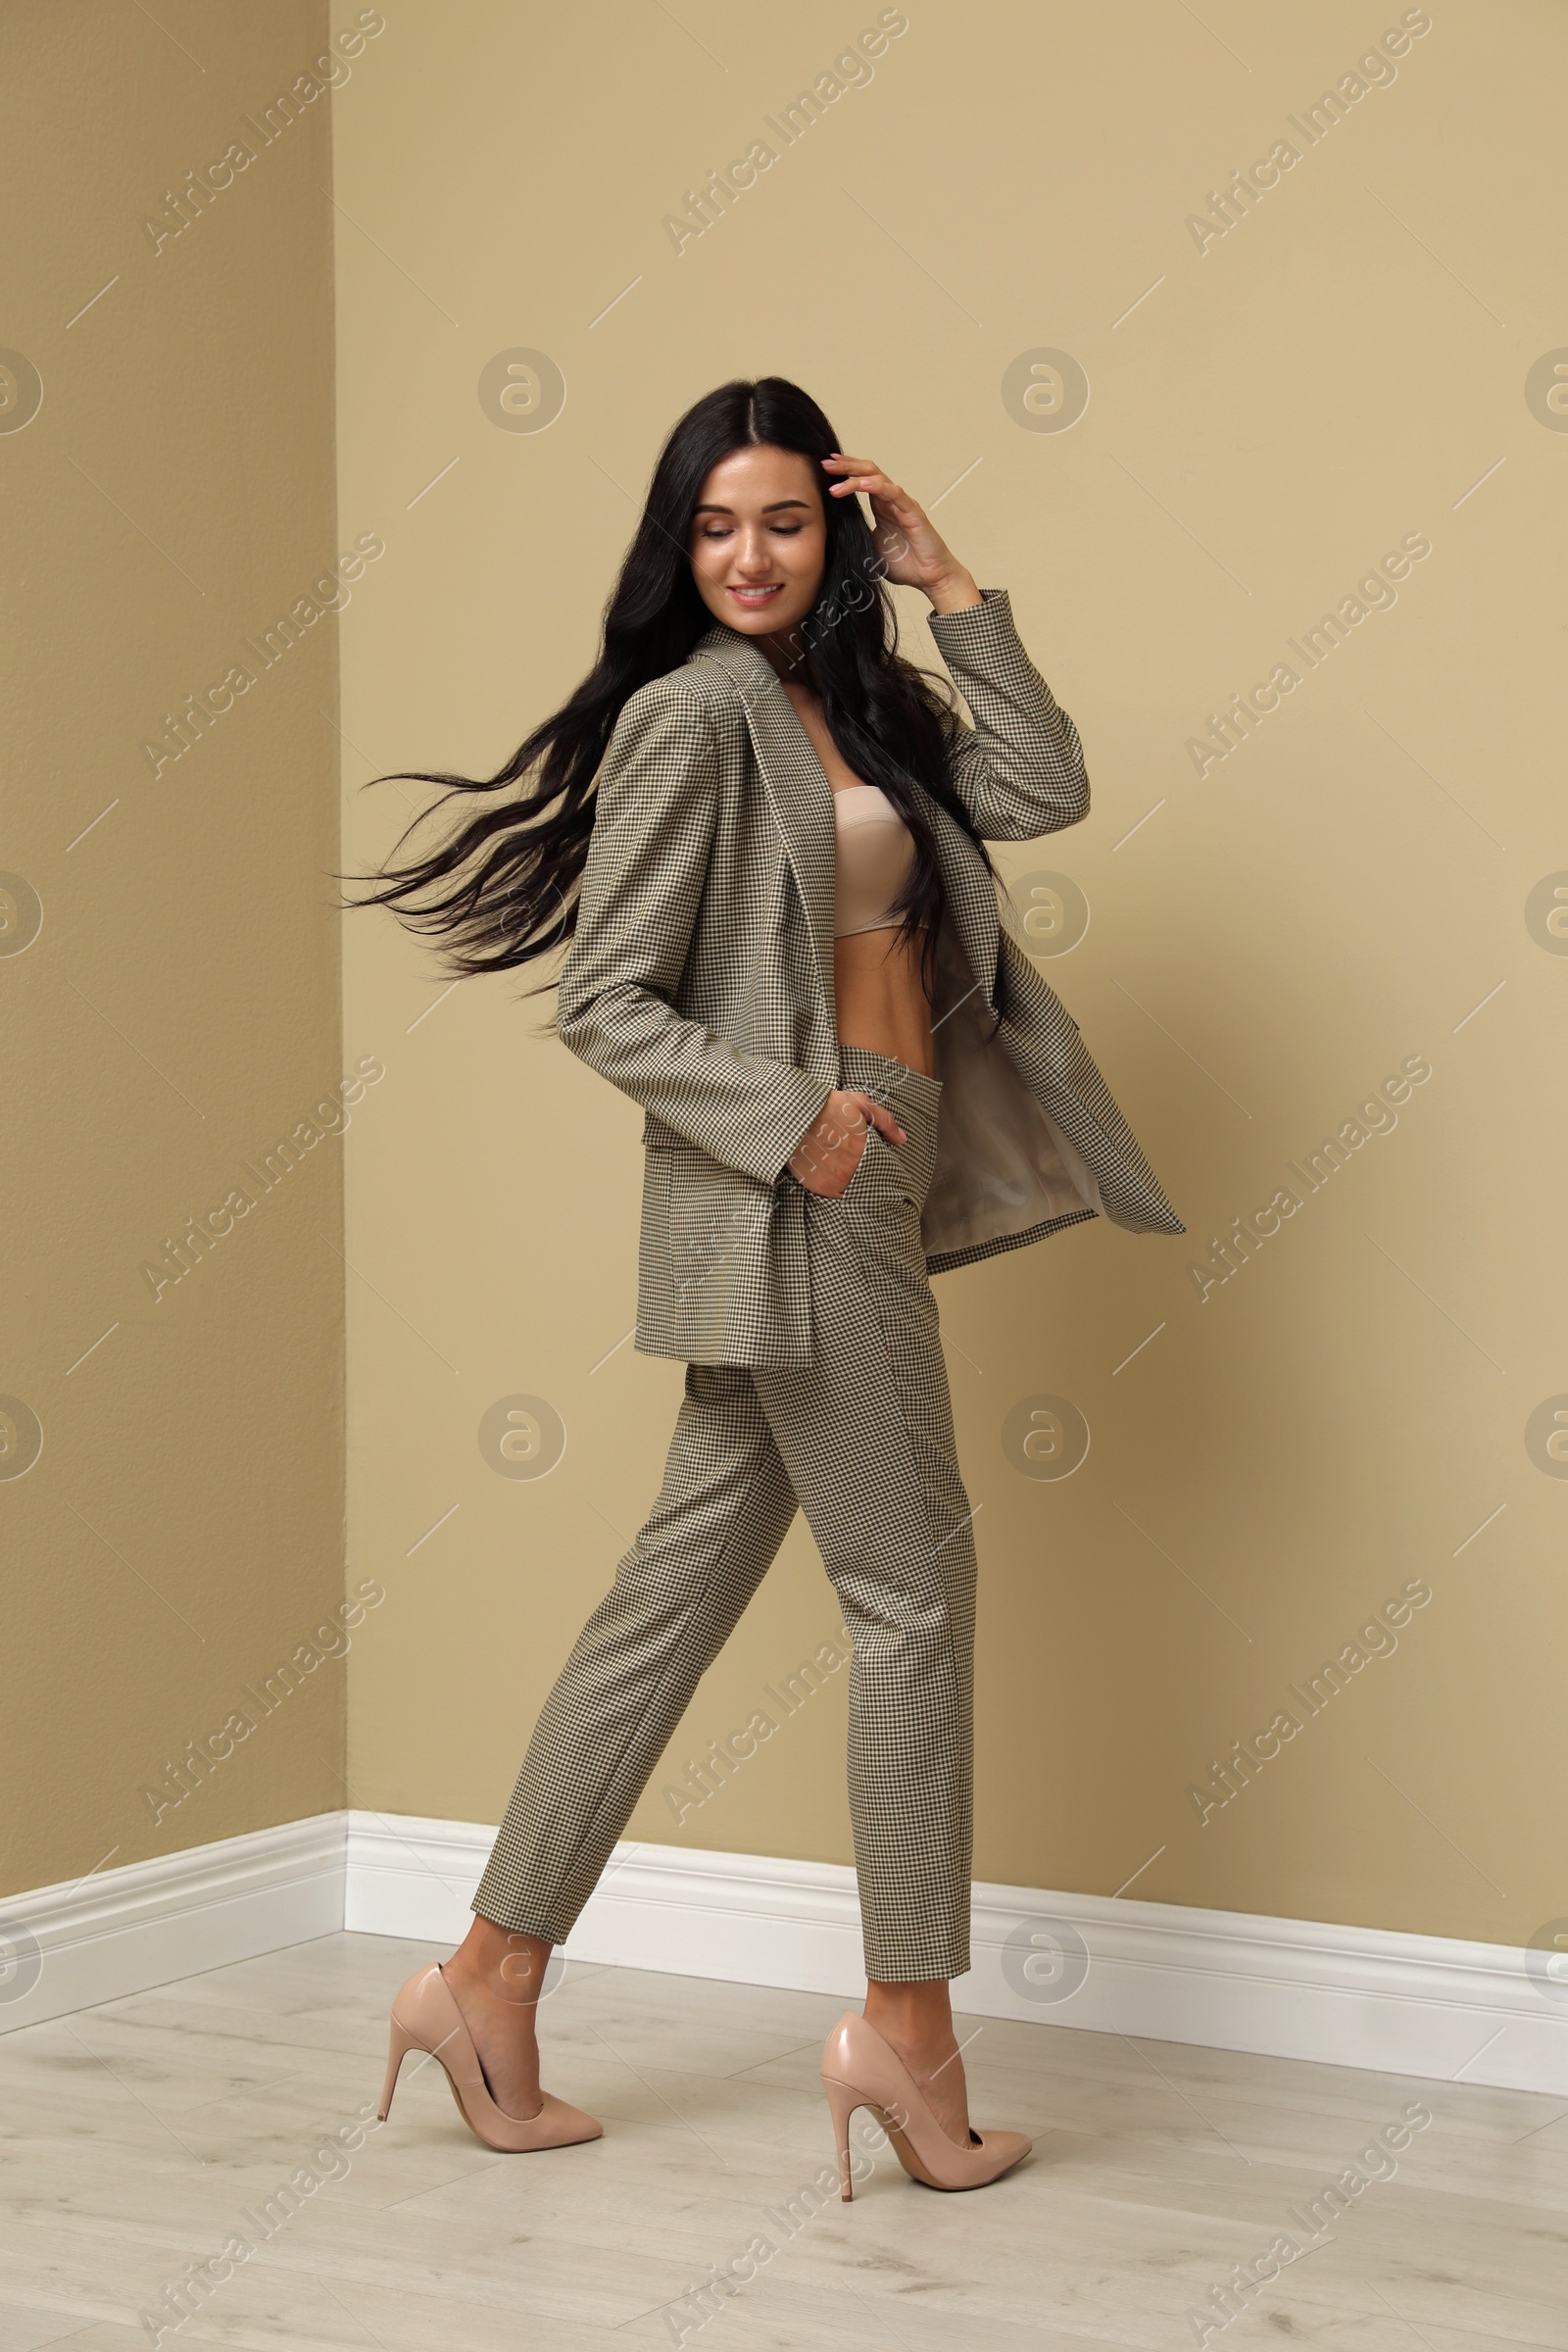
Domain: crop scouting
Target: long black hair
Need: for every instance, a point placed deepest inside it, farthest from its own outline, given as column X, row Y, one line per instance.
column 500, row 891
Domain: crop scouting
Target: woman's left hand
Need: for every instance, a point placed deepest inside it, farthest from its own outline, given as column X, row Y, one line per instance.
column 913, row 550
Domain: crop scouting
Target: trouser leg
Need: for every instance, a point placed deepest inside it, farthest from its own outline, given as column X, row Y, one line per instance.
column 723, row 1512
column 865, row 1432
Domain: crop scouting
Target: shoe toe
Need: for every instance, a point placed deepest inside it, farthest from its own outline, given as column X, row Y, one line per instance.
column 1006, row 2147
column 569, row 2126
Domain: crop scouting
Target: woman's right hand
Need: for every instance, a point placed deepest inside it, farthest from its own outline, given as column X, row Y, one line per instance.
column 829, row 1152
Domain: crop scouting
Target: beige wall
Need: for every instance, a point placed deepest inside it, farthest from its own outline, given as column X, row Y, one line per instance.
column 1269, row 939
column 179, row 1537
column 1291, row 399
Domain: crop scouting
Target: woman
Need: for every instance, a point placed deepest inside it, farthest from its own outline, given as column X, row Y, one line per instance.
column 786, row 948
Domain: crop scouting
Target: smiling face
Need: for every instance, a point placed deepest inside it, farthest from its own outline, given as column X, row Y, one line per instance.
column 759, row 540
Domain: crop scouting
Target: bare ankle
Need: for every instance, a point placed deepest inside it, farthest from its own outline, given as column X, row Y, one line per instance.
column 915, row 2017
column 927, row 2048
column 505, row 1963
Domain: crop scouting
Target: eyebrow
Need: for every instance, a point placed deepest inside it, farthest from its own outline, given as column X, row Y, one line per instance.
column 773, row 509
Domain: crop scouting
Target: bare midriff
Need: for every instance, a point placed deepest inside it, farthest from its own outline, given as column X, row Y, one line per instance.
column 882, row 1004
column 881, row 999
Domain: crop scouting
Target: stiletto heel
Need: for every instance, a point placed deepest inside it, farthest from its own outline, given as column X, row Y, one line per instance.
column 843, row 2100
column 425, row 2017
column 861, row 2070
column 402, row 2044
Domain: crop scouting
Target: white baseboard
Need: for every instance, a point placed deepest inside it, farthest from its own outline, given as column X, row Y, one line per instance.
column 118, row 1932
column 1421, row 2006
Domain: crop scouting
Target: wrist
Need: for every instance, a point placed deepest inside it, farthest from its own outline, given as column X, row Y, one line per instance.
column 955, row 591
column 805, row 1141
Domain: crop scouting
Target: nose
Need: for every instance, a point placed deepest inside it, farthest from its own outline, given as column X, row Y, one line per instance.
column 753, row 557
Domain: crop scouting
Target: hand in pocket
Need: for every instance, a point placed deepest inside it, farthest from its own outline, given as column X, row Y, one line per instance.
column 830, row 1150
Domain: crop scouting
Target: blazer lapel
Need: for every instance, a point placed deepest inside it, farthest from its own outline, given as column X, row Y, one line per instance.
column 797, row 785
column 802, row 802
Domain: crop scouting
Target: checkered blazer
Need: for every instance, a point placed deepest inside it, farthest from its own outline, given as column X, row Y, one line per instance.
column 699, row 980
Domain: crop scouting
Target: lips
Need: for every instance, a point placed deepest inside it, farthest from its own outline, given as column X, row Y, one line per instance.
column 754, row 599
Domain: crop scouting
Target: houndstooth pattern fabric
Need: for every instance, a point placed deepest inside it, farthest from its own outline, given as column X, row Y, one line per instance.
column 863, row 1438
column 699, row 980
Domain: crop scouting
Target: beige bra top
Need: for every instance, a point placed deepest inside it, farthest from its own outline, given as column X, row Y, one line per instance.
column 876, row 850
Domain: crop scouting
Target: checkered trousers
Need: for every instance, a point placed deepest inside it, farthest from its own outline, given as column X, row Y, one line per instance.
column 861, row 1438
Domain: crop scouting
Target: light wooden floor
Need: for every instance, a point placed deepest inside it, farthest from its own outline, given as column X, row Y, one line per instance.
column 135, row 2138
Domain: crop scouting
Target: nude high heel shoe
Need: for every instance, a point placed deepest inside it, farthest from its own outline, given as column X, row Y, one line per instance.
column 861, row 2070
column 425, row 2017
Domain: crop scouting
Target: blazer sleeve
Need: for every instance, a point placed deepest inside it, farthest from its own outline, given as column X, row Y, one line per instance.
column 1019, row 770
column 655, row 821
